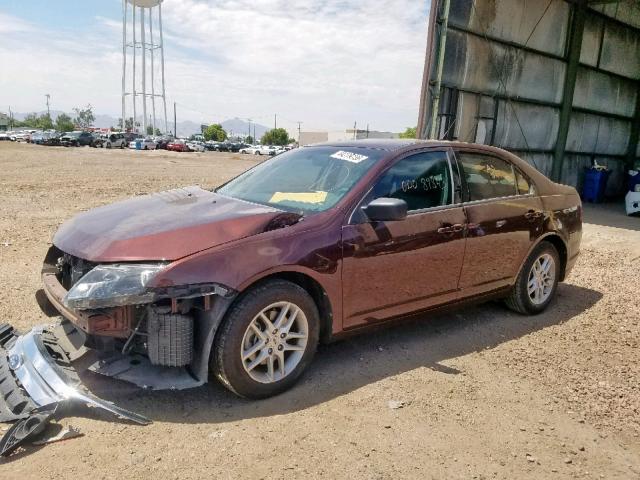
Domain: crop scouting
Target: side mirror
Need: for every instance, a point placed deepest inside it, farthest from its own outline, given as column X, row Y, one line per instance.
column 386, row 210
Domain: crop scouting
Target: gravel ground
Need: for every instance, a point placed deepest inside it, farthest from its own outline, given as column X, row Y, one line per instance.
column 476, row 393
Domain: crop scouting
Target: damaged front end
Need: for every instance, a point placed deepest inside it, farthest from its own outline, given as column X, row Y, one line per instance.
column 155, row 338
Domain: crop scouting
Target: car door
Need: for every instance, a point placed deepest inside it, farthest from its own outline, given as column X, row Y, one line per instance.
column 394, row 268
column 504, row 218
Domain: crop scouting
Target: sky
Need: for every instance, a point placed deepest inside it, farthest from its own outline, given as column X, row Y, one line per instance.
column 326, row 63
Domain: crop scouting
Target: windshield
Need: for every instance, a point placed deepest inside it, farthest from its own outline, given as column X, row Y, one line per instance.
column 307, row 180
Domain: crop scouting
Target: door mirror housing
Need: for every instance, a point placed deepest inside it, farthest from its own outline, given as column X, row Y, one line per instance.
column 386, row 210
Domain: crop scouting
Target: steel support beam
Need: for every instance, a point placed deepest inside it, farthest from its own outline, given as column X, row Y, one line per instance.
column 574, row 46
column 444, row 22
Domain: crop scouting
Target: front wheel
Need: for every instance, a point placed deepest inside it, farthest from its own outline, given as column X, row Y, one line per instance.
column 537, row 282
column 267, row 340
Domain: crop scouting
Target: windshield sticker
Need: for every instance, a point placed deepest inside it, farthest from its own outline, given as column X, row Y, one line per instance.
column 349, row 156
column 302, row 197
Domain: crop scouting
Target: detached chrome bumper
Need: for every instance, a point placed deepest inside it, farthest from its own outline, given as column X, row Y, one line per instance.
column 36, row 373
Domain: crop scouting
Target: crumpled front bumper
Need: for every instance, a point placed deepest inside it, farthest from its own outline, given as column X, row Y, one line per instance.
column 35, row 373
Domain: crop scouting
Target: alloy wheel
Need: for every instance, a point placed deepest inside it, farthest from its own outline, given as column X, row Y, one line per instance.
column 541, row 280
column 274, row 342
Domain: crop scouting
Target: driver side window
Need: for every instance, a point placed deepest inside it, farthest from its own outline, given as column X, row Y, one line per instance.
column 422, row 180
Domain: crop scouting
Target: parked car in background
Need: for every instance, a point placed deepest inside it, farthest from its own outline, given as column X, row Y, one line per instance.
column 266, row 150
column 77, row 139
column 23, row 136
column 162, row 142
column 5, row 137
column 98, row 140
column 51, row 139
column 196, row 146
column 178, row 146
column 131, row 136
column 115, row 140
column 242, row 283
column 249, row 150
column 143, row 144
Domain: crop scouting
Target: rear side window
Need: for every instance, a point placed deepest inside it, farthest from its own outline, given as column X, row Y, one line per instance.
column 487, row 176
column 524, row 187
column 422, row 180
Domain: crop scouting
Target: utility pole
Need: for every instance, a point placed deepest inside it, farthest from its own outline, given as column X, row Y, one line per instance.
column 254, row 134
column 367, row 130
column 299, row 124
column 175, row 121
column 275, row 121
column 249, row 134
column 10, row 119
column 48, row 112
column 355, row 130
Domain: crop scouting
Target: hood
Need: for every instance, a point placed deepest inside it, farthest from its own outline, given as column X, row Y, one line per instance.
column 165, row 226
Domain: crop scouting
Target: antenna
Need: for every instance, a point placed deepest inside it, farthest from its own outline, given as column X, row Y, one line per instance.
column 150, row 13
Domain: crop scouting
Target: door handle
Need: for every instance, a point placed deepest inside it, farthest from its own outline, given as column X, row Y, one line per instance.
column 457, row 228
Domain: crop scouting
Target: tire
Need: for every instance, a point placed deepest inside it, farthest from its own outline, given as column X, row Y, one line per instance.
column 122, row 146
column 235, row 334
column 520, row 298
column 108, row 146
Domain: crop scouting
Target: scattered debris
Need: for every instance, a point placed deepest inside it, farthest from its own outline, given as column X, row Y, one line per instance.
column 37, row 381
column 218, row 434
column 26, row 429
column 396, row 404
column 64, row 434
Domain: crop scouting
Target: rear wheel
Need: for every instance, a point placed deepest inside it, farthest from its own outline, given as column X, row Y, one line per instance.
column 537, row 282
column 267, row 340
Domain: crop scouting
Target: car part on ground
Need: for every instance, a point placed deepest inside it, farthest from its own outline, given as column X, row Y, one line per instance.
column 37, row 376
column 27, row 429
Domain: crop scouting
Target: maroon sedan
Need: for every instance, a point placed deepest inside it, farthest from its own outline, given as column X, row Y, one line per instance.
column 244, row 281
column 178, row 146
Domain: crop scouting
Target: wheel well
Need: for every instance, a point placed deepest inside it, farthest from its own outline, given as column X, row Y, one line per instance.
column 316, row 291
column 557, row 242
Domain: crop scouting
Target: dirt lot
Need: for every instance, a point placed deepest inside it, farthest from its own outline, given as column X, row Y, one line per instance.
column 487, row 393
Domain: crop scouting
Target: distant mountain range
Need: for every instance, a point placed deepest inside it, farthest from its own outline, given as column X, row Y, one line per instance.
column 186, row 128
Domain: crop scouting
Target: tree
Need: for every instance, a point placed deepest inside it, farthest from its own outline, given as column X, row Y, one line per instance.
column 276, row 136
column 84, row 116
column 249, row 139
column 410, row 132
column 215, row 132
column 64, row 123
column 128, row 124
column 150, row 130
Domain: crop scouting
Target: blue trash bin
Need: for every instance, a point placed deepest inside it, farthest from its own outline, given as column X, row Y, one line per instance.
column 595, row 184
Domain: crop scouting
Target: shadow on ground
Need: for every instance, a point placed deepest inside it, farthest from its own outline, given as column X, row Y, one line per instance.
column 611, row 215
column 345, row 366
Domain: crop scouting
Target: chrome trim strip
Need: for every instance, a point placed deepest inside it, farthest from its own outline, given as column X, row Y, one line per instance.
column 46, row 383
